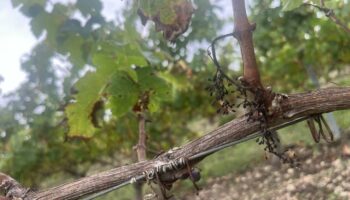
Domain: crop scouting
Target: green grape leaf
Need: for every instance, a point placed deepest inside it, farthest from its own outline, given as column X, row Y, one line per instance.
column 70, row 26
column 158, row 89
column 123, row 93
column 153, row 105
column 87, row 7
column 124, row 62
column 131, row 55
column 51, row 22
column 74, row 45
column 90, row 90
column 131, row 72
column 104, row 61
column 114, row 81
column 290, row 4
column 29, row 8
column 170, row 16
column 179, row 82
column 79, row 112
column 33, row 11
column 39, row 23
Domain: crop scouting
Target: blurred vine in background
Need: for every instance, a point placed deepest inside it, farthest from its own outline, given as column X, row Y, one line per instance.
column 74, row 113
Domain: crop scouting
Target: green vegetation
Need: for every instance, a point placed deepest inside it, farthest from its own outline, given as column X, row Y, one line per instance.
column 77, row 111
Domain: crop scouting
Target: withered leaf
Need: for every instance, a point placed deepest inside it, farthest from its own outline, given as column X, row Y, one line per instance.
column 170, row 16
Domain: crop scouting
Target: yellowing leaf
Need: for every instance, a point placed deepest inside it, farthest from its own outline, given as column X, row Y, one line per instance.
column 79, row 112
column 170, row 16
column 114, row 80
column 90, row 89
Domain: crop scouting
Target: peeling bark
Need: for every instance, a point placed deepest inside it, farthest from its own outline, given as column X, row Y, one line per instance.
column 11, row 187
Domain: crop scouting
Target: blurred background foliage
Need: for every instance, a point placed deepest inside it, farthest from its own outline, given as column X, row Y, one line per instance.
column 74, row 116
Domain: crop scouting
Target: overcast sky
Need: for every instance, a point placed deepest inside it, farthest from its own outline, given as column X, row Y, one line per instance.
column 16, row 40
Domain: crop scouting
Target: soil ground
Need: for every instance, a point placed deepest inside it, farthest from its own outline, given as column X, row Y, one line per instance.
column 323, row 173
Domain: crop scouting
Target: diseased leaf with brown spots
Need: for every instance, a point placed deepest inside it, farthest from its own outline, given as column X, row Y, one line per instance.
column 97, row 113
column 170, row 16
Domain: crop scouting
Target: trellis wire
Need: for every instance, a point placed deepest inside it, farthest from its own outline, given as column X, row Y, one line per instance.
column 196, row 156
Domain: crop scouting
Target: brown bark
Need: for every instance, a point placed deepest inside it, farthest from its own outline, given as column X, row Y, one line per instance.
column 141, row 145
column 243, row 32
column 296, row 106
column 141, row 151
column 11, row 187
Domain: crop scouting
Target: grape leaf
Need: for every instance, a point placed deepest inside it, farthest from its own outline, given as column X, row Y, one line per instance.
column 51, row 22
column 170, row 16
column 157, row 88
column 114, row 80
column 79, row 112
column 87, row 7
column 29, row 7
column 90, row 90
column 123, row 93
column 179, row 82
column 290, row 4
column 74, row 45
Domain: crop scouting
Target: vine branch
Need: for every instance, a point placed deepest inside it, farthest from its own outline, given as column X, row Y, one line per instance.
column 11, row 188
column 330, row 14
column 141, row 150
column 141, row 145
column 296, row 106
column 243, row 32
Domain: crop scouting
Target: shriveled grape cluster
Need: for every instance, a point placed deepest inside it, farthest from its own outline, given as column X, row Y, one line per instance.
column 219, row 90
column 222, row 87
